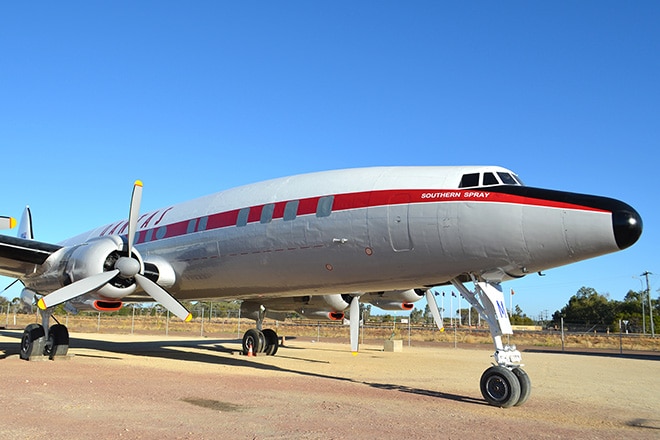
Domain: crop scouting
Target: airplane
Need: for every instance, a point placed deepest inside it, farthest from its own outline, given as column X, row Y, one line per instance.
column 320, row 243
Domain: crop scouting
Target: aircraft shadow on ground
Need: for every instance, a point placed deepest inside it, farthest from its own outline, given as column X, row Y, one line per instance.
column 213, row 351
column 644, row 356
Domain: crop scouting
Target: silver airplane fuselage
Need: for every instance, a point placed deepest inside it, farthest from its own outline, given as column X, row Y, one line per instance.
column 369, row 230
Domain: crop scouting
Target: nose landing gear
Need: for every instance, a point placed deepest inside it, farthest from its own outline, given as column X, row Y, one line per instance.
column 505, row 384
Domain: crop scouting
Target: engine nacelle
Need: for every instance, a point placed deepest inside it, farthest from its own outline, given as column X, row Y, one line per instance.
column 323, row 307
column 394, row 299
column 159, row 271
column 337, row 302
column 76, row 306
column 393, row 305
column 321, row 315
column 27, row 296
column 253, row 311
column 97, row 256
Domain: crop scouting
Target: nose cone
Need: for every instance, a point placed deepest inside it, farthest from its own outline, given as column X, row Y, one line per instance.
column 627, row 225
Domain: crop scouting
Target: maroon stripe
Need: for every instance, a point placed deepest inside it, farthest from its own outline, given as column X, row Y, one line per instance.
column 348, row 201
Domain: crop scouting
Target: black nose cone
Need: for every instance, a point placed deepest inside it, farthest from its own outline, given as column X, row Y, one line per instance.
column 627, row 225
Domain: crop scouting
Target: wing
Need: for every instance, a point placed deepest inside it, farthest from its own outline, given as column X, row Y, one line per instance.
column 18, row 256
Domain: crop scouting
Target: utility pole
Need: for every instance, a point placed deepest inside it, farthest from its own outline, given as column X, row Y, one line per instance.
column 648, row 292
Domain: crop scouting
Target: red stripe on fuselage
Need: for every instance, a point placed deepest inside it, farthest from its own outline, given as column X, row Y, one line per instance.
column 349, row 201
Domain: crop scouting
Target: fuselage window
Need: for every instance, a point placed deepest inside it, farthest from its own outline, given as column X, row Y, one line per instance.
column 291, row 210
column 324, row 207
column 243, row 217
column 267, row 213
column 507, row 179
column 192, row 224
column 490, row 179
column 161, row 232
column 469, row 180
column 201, row 226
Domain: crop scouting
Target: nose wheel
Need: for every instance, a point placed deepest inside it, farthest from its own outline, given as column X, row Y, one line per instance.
column 505, row 388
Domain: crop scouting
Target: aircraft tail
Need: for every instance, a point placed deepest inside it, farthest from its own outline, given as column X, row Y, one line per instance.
column 25, row 226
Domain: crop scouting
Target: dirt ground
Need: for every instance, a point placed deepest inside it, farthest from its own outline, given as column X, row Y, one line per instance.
column 148, row 387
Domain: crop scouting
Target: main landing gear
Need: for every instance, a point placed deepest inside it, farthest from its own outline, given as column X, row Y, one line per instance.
column 258, row 341
column 505, row 384
column 38, row 343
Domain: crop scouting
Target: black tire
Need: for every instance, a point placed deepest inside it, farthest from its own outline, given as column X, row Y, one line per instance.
column 58, row 341
column 254, row 338
column 500, row 387
column 525, row 385
column 262, row 342
column 32, row 342
column 272, row 342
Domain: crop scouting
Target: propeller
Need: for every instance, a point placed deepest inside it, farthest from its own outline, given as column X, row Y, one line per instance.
column 433, row 305
column 7, row 222
column 355, row 324
column 126, row 267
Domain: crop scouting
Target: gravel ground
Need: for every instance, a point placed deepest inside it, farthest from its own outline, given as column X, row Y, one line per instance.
column 147, row 387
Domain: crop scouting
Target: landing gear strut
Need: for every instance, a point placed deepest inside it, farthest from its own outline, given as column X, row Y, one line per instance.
column 505, row 384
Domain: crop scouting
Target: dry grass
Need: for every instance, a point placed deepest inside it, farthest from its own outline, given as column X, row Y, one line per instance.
column 231, row 327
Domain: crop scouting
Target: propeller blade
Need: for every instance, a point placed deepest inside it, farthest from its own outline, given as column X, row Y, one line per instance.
column 76, row 289
column 355, row 324
column 7, row 222
column 433, row 305
column 134, row 213
column 163, row 297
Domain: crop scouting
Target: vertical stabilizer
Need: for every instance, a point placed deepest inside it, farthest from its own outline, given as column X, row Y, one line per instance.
column 25, row 226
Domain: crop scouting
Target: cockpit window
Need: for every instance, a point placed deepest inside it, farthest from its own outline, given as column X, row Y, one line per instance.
column 469, row 180
column 507, row 178
column 490, row 179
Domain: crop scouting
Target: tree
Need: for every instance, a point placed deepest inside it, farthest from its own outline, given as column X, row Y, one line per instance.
column 416, row 316
column 520, row 318
column 588, row 308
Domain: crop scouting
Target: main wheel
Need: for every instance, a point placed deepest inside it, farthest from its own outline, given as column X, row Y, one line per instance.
column 272, row 342
column 255, row 339
column 525, row 385
column 33, row 341
column 500, row 387
column 58, row 341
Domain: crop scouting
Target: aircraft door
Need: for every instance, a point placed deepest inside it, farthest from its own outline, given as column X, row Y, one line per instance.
column 398, row 222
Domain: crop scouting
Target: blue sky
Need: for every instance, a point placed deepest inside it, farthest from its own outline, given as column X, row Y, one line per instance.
column 195, row 97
